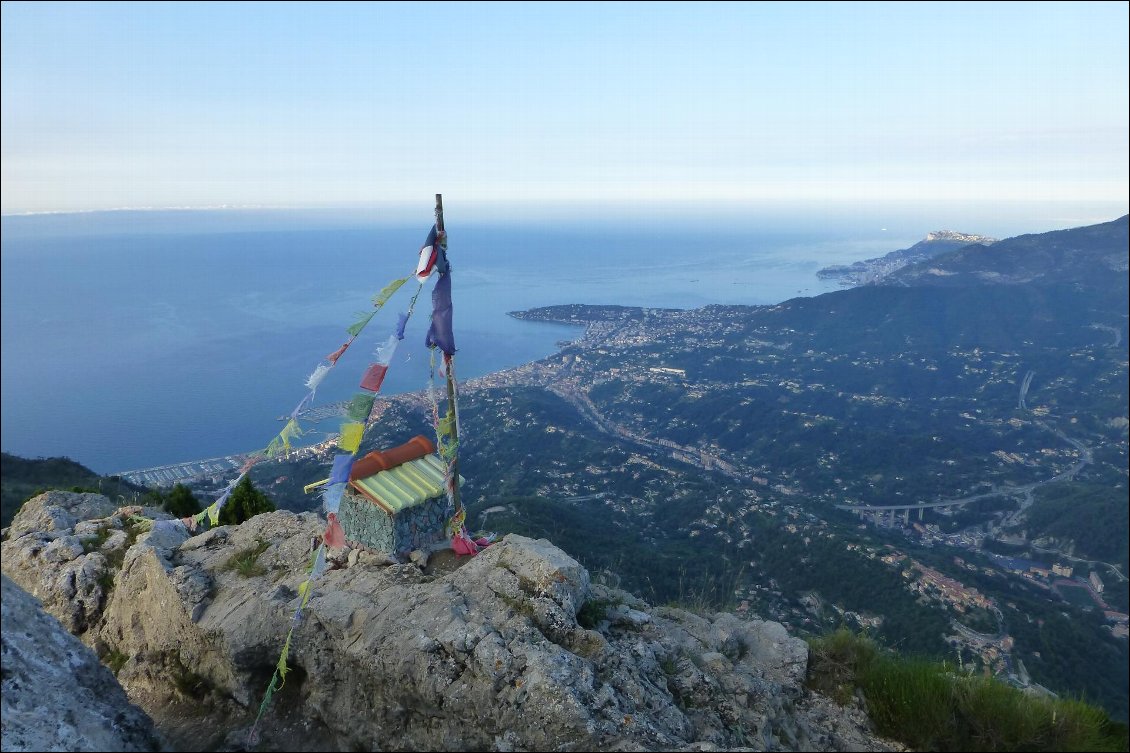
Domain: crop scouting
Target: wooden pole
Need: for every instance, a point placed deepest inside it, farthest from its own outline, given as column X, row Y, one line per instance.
column 455, row 496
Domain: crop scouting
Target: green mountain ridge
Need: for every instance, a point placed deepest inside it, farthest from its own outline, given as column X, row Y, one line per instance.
column 21, row 478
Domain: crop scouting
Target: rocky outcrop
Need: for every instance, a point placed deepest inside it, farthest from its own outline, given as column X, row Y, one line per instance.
column 63, row 548
column 514, row 650
column 56, row 694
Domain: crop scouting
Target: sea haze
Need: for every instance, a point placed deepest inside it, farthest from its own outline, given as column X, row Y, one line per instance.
column 142, row 338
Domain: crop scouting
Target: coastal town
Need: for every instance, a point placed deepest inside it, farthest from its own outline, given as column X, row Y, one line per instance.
column 628, row 361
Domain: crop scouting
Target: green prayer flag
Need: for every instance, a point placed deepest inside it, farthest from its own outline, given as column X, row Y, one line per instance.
column 281, row 443
column 382, row 297
column 360, row 406
column 281, row 666
column 357, row 326
column 267, row 696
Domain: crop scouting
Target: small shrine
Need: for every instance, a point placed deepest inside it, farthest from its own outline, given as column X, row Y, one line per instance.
column 395, row 501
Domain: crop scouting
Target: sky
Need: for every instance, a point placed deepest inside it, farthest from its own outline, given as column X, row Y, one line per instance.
column 516, row 105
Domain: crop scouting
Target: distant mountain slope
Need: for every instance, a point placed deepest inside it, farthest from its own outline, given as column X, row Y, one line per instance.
column 1095, row 255
column 873, row 270
column 21, row 478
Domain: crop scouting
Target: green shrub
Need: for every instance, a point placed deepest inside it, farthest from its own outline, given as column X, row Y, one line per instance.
column 94, row 543
column 911, row 701
column 928, row 707
column 592, row 613
column 246, row 561
column 836, row 661
column 115, row 660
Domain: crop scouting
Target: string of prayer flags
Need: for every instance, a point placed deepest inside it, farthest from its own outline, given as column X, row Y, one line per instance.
column 351, row 434
column 440, row 333
column 358, row 410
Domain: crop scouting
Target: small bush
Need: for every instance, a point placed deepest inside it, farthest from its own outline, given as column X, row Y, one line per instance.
column 836, row 661
column 106, row 583
column 95, row 543
column 246, row 561
column 115, row 660
column 189, row 683
column 911, row 701
column 592, row 613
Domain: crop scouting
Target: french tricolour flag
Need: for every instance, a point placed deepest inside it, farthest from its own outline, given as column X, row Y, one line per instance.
column 428, row 255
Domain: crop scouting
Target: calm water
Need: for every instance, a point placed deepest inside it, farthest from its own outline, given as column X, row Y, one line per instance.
column 136, row 339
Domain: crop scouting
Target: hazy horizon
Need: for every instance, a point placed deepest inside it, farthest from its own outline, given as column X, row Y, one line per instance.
column 531, row 108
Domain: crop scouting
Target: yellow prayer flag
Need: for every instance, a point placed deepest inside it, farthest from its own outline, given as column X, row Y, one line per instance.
column 281, row 666
column 351, row 436
column 382, row 297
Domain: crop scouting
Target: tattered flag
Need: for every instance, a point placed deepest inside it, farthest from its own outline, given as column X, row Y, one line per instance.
column 440, row 333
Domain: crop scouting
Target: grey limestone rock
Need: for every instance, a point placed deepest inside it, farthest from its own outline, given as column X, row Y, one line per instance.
column 58, row 510
column 486, row 655
column 56, row 694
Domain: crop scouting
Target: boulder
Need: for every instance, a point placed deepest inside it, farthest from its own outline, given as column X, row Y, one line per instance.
column 58, row 510
column 67, row 559
column 56, row 694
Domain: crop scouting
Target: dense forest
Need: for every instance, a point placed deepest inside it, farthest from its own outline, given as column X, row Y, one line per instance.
column 23, row 478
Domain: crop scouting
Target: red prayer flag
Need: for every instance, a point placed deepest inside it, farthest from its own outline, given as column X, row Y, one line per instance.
column 374, row 376
column 334, row 535
column 332, row 357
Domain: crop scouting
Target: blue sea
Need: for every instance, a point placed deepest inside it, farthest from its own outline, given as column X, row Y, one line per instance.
column 133, row 339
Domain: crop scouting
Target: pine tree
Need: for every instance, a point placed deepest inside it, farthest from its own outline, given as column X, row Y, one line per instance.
column 245, row 502
column 181, row 502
